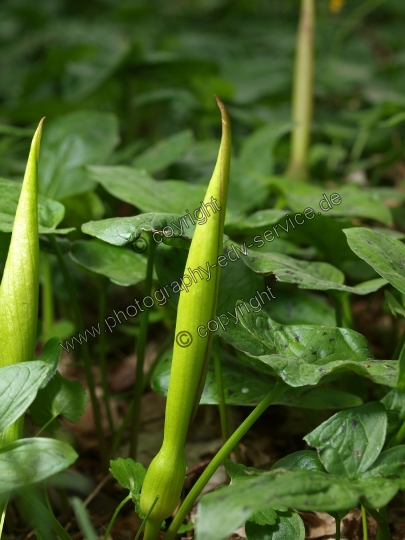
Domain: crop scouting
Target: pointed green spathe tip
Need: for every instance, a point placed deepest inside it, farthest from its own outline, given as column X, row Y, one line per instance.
column 19, row 286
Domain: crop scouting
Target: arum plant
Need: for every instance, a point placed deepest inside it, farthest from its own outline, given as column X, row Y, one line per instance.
column 302, row 92
column 20, row 284
column 191, row 353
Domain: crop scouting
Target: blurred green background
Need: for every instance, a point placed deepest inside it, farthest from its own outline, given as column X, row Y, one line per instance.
column 155, row 66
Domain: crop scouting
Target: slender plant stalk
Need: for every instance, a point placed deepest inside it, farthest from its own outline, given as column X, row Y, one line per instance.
column 114, row 517
column 221, row 456
column 43, row 514
column 191, row 352
column 383, row 532
column 103, row 362
column 85, row 349
column 302, row 92
column 364, row 522
column 140, row 352
column 48, row 314
column 83, row 519
column 337, row 534
column 220, row 390
column 146, row 518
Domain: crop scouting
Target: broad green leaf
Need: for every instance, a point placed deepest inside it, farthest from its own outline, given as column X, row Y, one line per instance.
column 246, row 386
column 385, row 254
column 139, row 189
column 19, row 384
column 164, row 153
column 258, row 220
column 307, row 460
column 395, row 307
column 102, row 47
column 249, row 189
column 297, row 306
column 50, row 354
column 122, row 231
column 71, row 142
column 377, row 492
column 128, row 473
column 221, row 512
column 50, row 213
column 350, row 441
column 120, row 265
column 236, row 280
column 307, row 275
column 389, row 464
column 354, row 201
column 60, row 397
column 289, row 526
column 319, row 398
column 29, row 461
column 302, row 355
column 395, row 401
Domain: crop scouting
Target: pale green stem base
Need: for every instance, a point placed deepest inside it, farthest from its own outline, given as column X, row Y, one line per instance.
column 220, row 457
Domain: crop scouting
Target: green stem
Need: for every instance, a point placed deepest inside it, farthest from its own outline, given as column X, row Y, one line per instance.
column 83, row 519
column 383, row 532
column 338, row 310
column 103, row 362
column 146, row 519
column 220, row 390
column 48, row 314
column 221, row 455
column 85, row 349
column 302, row 92
column 364, row 522
column 43, row 428
column 140, row 352
column 337, row 534
column 114, row 517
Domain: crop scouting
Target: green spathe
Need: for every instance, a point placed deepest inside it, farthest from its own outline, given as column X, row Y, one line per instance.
column 165, row 476
column 19, row 287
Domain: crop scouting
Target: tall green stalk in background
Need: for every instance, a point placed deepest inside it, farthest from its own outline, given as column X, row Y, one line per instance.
column 191, row 353
column 302, row 92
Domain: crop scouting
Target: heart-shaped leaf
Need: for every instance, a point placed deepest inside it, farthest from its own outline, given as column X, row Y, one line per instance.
column 385, row 254
column 122, row 231
column 139, row 189
column 288, row 526
column 350, row 441
column 307, row 275
column 60, row 397
column 302, row 355
column 120, row 265
column 219, row 513
column 19, row 384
